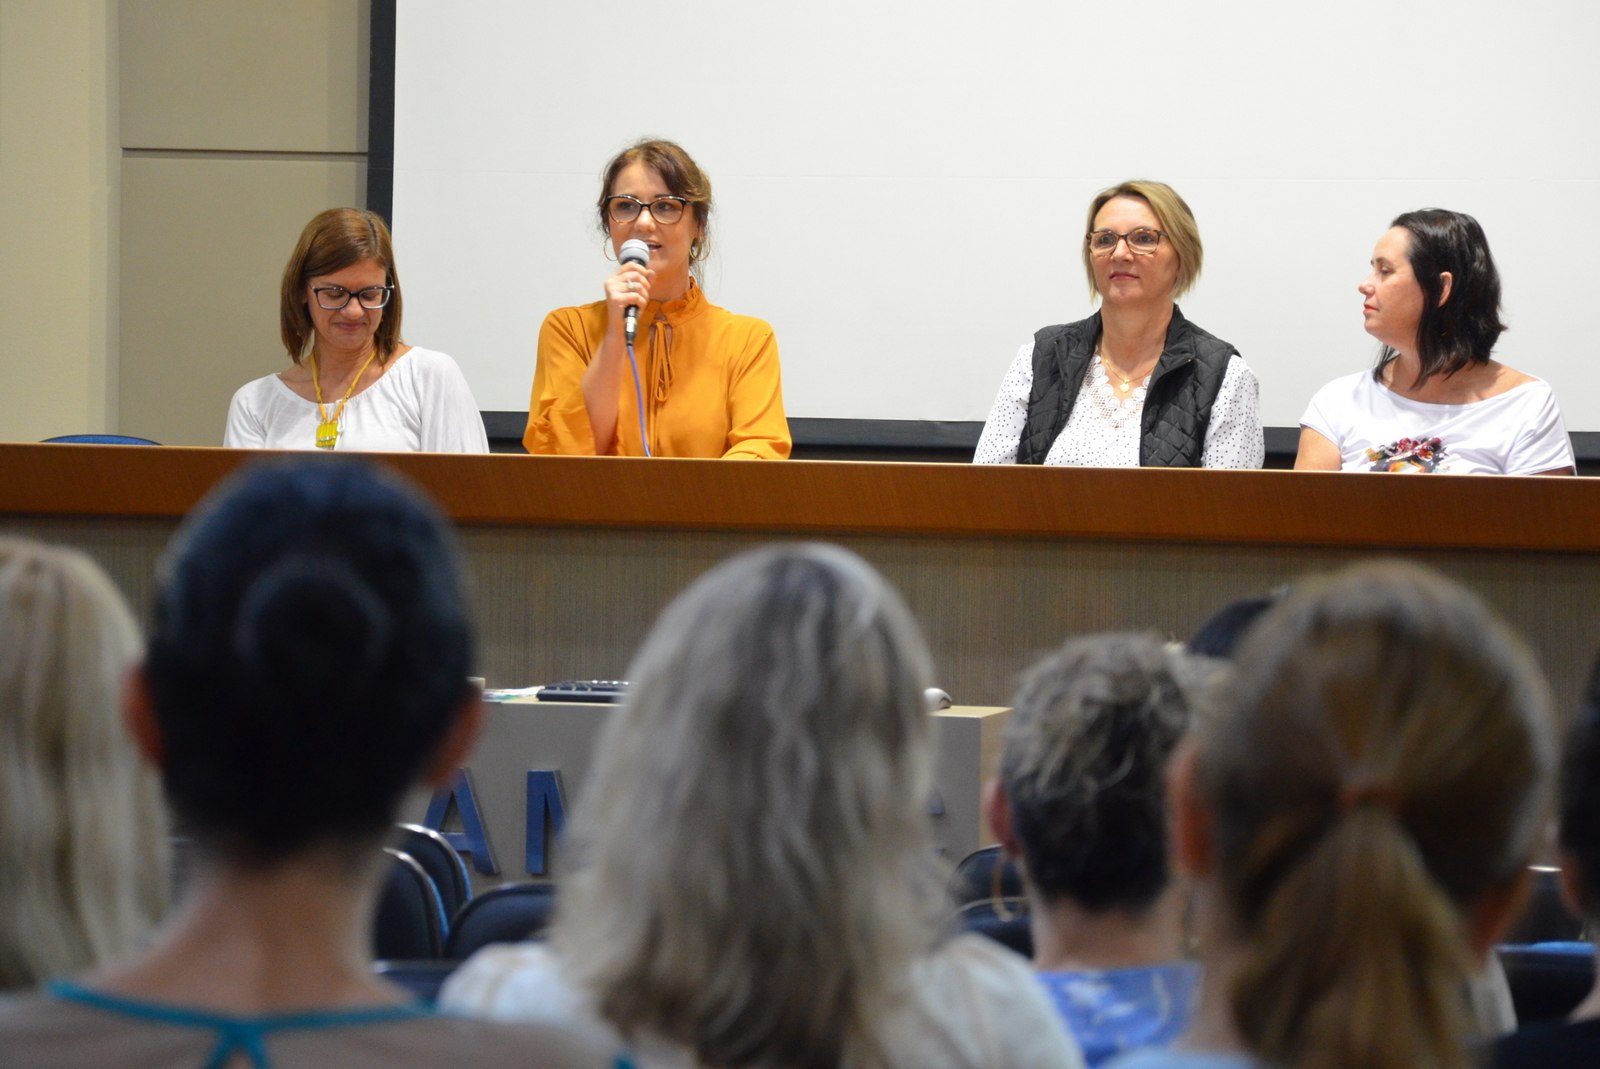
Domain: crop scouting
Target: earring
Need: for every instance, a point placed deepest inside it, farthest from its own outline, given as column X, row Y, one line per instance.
column 606, row 250
column 696, row 250
column 1002, row 908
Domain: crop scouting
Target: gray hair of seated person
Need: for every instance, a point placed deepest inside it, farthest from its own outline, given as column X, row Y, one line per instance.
column 83, row 833
column 1084, row 768
column 1382, row 763
column 753, row 863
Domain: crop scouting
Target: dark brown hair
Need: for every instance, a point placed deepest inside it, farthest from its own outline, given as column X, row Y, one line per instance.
column 332, row 241
column 1460, row 329
column 682, row 176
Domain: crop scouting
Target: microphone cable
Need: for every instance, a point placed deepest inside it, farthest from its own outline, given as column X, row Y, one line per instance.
column 638, row 397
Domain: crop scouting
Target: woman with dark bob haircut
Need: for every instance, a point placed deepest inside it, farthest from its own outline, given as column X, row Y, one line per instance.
column 703, row 382
column 307, row 666
column 1437, row 401
column 352, row 383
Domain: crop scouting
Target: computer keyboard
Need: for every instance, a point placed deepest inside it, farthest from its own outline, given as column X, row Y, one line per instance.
column 584, row 690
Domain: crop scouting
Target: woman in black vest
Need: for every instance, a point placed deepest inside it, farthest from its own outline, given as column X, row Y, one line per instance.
column 1136, row 384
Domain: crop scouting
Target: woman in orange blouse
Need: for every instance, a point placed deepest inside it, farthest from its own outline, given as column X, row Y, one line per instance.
column 708, row 379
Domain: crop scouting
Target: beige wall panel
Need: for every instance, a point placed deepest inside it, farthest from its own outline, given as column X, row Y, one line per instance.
column 285, row 76
column 204, row 242
column 58, row 203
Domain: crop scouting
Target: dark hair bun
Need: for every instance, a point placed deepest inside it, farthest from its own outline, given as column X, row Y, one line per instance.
column 311, row 629
column 310, row 649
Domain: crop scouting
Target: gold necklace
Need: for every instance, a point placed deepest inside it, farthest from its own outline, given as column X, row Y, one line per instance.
column 1127, row 382
column 328, row 429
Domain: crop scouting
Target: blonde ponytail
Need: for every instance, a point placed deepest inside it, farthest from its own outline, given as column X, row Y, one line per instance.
column 1354, row 936
column 1384, row 764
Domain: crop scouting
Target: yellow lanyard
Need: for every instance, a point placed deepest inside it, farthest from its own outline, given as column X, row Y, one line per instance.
column 328, row 429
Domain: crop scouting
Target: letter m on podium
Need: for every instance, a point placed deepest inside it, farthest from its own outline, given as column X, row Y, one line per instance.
column 547, row 815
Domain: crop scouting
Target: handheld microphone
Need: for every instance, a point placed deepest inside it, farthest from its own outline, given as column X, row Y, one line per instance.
column 633, row 251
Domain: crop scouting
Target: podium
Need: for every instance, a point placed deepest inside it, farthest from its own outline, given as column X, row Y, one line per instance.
column 571, row 558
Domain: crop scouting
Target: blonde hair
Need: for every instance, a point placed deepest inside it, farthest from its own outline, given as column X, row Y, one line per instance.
column 1177, row 222
column 754, row 871
column 82, row 829
column 1384, row 764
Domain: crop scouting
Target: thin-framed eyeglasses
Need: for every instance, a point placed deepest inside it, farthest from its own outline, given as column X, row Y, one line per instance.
column 664, row 210
column 1141, row 239
column 337, row 298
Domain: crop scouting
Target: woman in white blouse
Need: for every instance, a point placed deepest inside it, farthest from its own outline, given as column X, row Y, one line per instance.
column 1135, row 384
column 1436, row 402
column 353, row 384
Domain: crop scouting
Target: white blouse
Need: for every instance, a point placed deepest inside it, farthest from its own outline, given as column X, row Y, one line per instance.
column 422, row 404
column 1101, row 435
column 971, row 1004
column 1519, row 432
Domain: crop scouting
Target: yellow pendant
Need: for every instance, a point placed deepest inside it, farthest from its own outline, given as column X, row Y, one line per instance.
column 1124, row 387
column 327, row 434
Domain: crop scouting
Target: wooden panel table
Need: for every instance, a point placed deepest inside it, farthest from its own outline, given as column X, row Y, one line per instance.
column 571, row 558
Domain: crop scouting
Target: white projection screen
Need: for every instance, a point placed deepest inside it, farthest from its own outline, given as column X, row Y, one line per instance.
column 900, row 187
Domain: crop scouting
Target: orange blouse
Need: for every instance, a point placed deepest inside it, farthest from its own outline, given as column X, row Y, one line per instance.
column 711, row 383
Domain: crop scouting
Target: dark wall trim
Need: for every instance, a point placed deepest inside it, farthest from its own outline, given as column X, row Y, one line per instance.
column 951, row 441
column 380, row 112
column 916, row 440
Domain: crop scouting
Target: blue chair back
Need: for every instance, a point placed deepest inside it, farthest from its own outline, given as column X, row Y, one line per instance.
column 422, row 978
column 985, row 873
column 99, row 439
column 1547, row 980
column 1005, row 920
column 442, row 864
column 509, row 913
column 410, row 918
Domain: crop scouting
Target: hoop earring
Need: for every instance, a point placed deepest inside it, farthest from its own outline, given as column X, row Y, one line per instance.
column 606, row 250
column 697, row 251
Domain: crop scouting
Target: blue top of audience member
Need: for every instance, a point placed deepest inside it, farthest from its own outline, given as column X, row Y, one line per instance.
column 1110, row 1011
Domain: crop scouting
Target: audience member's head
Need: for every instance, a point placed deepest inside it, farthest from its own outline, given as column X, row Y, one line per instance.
column 82, row 833
column 1363, row 808
column 1082, row 788
column 753, row 874
column 309, row 654
column 1580, row 805
column 1219, row 636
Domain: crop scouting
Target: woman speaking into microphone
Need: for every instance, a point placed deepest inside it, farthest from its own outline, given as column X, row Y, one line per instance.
column 686, row 378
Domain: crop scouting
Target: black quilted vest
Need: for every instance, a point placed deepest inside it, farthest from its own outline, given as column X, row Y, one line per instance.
column 1177, row 405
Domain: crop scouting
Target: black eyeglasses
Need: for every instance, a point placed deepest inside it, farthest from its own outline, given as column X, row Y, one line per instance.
column 336, row 298
column 664, row 210
column 1140, row 239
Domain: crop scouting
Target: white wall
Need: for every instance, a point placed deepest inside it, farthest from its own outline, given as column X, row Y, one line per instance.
column 900, row 187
